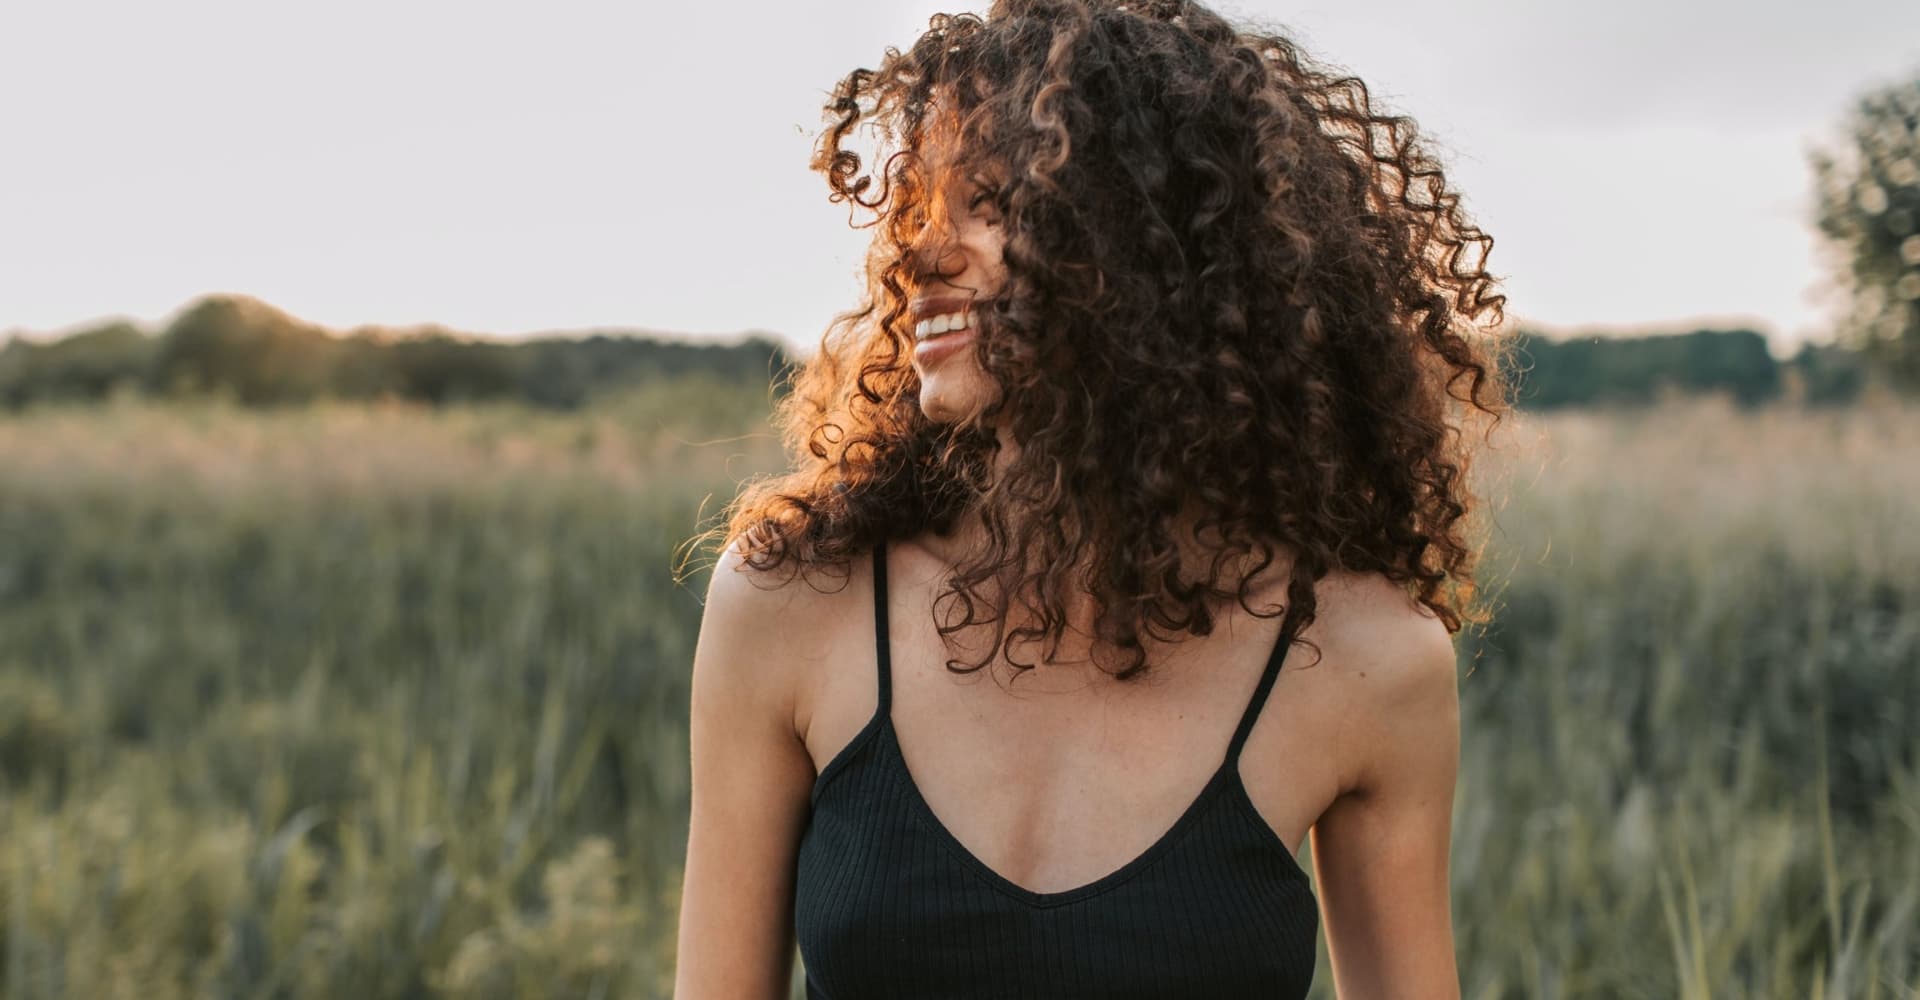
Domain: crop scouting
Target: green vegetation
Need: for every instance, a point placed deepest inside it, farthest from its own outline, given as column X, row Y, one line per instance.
column 1867, row 205
column 389, row 701
column 1636, row 370
column 1691, row 753
column 240, row 348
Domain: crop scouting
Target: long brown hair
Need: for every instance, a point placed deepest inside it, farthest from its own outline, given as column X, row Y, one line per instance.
column 1239, row 301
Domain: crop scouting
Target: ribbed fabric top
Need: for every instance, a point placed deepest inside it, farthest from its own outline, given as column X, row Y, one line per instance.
column 889, row 904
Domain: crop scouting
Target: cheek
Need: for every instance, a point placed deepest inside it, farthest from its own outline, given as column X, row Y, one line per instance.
column 990, row 257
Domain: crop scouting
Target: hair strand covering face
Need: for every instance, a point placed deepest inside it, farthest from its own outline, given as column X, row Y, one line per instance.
column 1238, row 299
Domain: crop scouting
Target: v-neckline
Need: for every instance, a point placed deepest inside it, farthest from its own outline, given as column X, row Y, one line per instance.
column 1224, row 775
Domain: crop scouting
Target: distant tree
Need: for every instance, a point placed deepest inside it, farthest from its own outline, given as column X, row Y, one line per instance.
column 238, row 344
column 1826, row 374
column 1867, row 204
column 565, row 373
column 88, row 364
column 441, row 367
column 362, row 368
column 1633, row 371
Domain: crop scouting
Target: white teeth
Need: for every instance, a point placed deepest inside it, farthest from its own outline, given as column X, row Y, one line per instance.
column 934, row 326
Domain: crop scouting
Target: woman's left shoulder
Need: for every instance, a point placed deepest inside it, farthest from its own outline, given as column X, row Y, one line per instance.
column 1392, row 679
column 1391, row 654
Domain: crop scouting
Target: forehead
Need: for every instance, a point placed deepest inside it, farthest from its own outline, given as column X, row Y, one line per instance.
column 939, row 147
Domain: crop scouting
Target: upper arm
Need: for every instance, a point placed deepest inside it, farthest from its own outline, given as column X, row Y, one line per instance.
column 751, row 779
column 1380, row 851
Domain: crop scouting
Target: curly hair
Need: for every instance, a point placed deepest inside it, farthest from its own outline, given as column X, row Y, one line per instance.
column 1236, row 296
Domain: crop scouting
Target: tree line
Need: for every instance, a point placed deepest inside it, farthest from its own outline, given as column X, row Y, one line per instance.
column 1630, row 371
column 260, row 356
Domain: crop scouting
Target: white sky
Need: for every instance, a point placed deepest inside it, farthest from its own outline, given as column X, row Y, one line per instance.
column 511, row 169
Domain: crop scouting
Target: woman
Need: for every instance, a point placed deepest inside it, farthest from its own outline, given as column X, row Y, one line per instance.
column 1167, row 343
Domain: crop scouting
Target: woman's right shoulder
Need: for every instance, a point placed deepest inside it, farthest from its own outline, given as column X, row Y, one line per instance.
column 779, row 627
column 750, row 590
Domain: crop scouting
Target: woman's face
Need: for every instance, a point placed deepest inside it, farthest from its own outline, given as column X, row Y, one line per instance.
column 955, row 261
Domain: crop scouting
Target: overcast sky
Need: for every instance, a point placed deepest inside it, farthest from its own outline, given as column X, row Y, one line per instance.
column 516, row 168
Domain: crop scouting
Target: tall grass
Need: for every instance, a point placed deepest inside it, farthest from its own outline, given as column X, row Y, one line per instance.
column 1690, row 740
column 383, row 702
column 344, row 702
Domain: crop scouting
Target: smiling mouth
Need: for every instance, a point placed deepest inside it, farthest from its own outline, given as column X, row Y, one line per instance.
column 934, row 326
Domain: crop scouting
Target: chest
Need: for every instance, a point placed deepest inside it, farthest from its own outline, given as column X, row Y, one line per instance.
column 1053, row 781
column 888, row 903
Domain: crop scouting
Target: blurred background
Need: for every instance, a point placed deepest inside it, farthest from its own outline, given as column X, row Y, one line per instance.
column 366, row 367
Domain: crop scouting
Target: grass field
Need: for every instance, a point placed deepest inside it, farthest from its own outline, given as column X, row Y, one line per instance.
column 381, row 702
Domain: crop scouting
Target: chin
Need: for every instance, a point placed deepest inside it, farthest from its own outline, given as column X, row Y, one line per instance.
column 939, row 408
column 947, row 397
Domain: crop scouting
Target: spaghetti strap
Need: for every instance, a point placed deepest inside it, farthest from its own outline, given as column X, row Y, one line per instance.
column 1260, row 692
column 885, row 674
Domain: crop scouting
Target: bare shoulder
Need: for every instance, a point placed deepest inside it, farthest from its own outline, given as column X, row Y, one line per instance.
column 747, row 592
column 1392, row 663
column 776, row 627
column 1384, row 635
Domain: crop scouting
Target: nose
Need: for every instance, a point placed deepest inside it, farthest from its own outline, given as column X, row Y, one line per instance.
column 935, row 254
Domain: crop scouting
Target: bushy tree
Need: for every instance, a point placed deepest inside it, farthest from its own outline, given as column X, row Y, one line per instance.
column 238, row 344
column 88, row 364
column 1867, row 204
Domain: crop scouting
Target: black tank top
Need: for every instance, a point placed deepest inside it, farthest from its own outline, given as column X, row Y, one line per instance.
column 889, row 905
